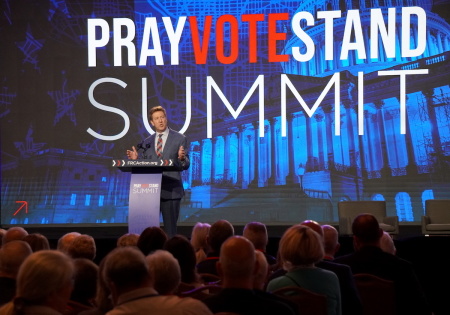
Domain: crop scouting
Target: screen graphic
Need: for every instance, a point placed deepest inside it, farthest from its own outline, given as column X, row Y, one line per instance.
column 289, row 106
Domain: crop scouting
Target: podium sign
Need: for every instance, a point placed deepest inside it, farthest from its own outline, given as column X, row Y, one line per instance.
column 145, row 191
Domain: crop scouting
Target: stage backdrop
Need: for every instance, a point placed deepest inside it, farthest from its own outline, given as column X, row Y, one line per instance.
column 289, row 106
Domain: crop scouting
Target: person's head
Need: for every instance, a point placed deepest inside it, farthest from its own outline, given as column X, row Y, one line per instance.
column 300, row 246
column 256, row 232
column 15, row 233
column 183, row 251
column 12, row 255
column 45, row 278
column 37, row 241
column 366, row 231
column 165, row 271
column 158, row 118
column 315, row 226
column 65, row 240
column 262, row 272
column 330, row 240
column 237, row 262
column 151, row 239
column 125, row 269
column 199, row 235
column 103, row 300
column 128, row 239
column 387, row 244
column 85, row 281
column 82, row 246
column 219, row 232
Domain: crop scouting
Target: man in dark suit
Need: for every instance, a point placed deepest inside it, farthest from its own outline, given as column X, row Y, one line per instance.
column 368, row 257
column 166, row 143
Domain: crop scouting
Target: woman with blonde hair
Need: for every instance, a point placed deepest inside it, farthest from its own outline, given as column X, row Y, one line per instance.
column 299, row 250
column 44, row 284
column 198, row 240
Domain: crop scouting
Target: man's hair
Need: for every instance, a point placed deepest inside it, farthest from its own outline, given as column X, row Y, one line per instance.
column 15, row 233
column 256, row 232
column 219, row 232
column 126, row 268
column 151, row 239
column 330, row 238
column 128, row 239
column 366, row 228
column 237, row 258
column 82, row 246
column 165, row 271
column 85, row 280
column 65, row 240
column 156, row 109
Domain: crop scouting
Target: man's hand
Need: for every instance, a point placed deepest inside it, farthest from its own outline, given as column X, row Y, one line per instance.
column 132, row 154
column 181, row 154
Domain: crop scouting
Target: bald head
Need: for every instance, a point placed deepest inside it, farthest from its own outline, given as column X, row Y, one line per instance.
column 65, row 241
column 15, row 233
column 237, row 260
column 316, row 227
column 330, row 240
column 12, row 255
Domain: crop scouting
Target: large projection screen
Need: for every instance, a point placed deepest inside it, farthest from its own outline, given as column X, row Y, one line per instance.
column 289, row 106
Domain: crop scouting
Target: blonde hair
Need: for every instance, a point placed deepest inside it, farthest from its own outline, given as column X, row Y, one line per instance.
column 198, row 240
column 300, row 246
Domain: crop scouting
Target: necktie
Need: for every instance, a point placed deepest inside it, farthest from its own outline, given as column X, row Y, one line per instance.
column 159, row 145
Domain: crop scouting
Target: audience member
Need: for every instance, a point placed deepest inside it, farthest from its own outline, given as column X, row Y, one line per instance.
column 165, row 271
column 368, row 257
column 350, row 300
column 44, row 284
column 126, row 272
column 37, row 242
column 198, row 240
column 256, row 232
column 103, row 302
column 180, row 247
column 15, row 233
column 84, row 286
column 82, row 246
column 12, row 255
column 65, row 240
column 387, row 244
column 300, row 249
column 151, row 239
column 219, row 232
column 330, row 241
column 128, row 239
column 237, row 268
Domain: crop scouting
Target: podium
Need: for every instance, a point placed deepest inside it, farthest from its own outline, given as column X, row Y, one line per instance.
column 145, row 190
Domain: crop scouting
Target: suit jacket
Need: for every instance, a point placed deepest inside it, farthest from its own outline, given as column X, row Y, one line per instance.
column 171, row 184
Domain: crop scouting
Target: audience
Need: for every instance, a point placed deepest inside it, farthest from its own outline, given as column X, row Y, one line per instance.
column 82, row 246
column 84, row 286
column 128, row 239
column 256, row 232
column 12, row 255
column 37, row 242
column 165, row 271
column 219, row 232
column 127, row 274
column 198, row 240
column 368, row 257
column 65, row 240
column 180, row 247
column 44, row 284
column 237, row 268
column 151, row 239
column 15, row 233
column 300, row 249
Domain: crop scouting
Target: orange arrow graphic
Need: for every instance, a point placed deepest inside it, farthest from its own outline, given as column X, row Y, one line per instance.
column 24, row 204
